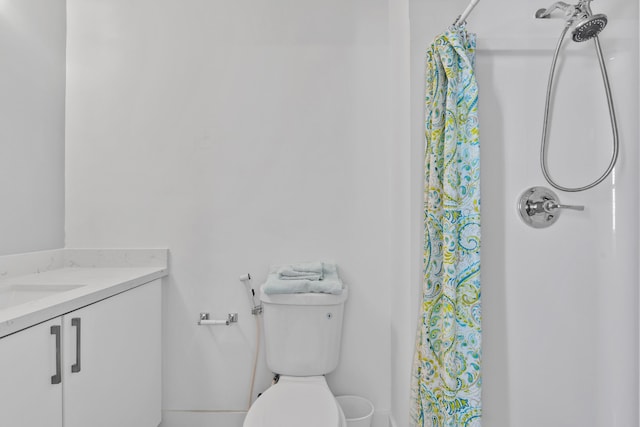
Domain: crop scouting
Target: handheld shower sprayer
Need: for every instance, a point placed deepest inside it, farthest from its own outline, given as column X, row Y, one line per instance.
column 246, row 280
column 255, row 310
column 586, row 26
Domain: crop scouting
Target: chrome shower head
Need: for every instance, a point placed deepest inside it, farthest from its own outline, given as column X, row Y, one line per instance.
column 586, row 24
column 589, row 27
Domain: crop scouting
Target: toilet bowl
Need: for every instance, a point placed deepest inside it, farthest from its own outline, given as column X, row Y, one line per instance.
column 296, row 402
column 302, row 342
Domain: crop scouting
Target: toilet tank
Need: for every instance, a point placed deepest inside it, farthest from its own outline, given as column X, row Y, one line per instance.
column 303, row 332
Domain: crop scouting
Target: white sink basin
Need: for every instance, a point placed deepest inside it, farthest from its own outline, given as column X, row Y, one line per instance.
column 13, row 295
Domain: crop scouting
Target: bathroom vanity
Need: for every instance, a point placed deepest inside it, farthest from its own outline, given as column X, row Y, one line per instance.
column 80, row 339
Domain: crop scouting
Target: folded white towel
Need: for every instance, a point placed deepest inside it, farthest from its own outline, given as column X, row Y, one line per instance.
column 306, row 271
column 277, row 286
column 330, row 284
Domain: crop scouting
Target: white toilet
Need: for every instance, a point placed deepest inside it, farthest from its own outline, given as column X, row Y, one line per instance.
column 302, row 341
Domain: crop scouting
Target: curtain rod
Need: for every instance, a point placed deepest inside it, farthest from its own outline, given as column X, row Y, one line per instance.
column 467, row 11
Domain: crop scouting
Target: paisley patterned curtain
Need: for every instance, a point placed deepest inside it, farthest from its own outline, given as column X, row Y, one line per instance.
column 446, row 377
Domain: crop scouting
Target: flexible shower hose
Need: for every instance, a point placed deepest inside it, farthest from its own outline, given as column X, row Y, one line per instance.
column 255, row 362
column 612, row 116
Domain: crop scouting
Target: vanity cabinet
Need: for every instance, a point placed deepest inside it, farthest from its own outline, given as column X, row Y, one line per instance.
column 110, row 366
column 27, row 363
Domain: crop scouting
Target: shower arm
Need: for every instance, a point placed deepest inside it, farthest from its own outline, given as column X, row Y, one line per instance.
column 568, row 9
column 571, row 11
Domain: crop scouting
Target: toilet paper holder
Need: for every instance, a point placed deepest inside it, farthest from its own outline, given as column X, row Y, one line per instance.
column 205, row 320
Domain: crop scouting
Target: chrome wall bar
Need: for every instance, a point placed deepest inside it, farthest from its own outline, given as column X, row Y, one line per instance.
column 206, row 321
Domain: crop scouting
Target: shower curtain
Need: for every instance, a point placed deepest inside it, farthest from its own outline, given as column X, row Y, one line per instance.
column 446, row 377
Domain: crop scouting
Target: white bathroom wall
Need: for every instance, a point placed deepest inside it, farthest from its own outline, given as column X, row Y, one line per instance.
column 402, row 175
column 250, row 133
column 32, row 84
column 240, row 135
column 560, row 305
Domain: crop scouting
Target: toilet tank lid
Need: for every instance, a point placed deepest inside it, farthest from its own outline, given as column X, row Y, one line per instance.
column 305, row 298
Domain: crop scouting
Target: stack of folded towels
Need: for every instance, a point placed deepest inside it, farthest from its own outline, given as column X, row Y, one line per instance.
column 317, row 277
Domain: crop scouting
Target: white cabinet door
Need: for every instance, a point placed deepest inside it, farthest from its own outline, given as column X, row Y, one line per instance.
column 27, row 363
column 118, row 382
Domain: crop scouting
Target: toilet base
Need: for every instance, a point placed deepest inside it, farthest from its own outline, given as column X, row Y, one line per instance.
column 295, row 402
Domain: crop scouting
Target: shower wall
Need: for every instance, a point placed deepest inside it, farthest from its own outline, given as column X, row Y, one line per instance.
column 560, row 305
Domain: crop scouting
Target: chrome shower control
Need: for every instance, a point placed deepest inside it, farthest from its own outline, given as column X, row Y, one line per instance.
column 551, row 206
column 539, row 207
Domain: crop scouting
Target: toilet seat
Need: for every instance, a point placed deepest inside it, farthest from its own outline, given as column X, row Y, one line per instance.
column 296, row 402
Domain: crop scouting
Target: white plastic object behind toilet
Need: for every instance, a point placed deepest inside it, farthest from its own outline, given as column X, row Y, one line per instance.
column 296, row 402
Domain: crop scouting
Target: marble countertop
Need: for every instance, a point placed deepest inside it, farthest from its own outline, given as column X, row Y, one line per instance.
column 84, row 275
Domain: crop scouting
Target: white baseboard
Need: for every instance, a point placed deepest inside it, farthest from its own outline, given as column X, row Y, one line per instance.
column 235, row 419
column 202, row 419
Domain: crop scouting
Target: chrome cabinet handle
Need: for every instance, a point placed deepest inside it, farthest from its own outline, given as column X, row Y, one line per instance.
column 57, row 378
column 76, row 322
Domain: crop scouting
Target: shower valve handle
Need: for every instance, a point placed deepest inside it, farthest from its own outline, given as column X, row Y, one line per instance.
column 551, row 206
column 539, row 207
